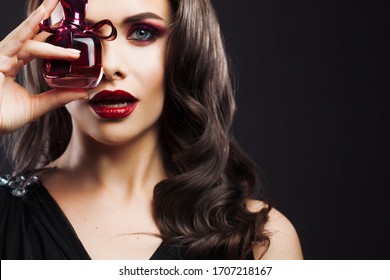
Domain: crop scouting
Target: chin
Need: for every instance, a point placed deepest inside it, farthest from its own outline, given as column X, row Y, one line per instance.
column 141, row 126
column 119, row 134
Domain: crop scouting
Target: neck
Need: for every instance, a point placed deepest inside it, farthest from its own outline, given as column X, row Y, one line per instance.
column 126, row 169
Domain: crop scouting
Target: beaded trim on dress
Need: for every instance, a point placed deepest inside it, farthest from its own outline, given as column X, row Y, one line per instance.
column 19, row 185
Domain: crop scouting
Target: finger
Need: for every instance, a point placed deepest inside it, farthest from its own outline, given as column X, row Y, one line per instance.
column 44, row 50
column 50, row 100
column 11, row 45
column 49, row 6
column 41, row 36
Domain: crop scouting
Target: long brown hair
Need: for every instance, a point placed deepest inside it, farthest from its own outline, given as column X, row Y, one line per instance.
column 202, row 204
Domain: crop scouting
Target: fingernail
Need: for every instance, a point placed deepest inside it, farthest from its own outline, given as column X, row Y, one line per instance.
column 74, row 51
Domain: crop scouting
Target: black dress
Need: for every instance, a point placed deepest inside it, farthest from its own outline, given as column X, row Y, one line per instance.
column 33, row 226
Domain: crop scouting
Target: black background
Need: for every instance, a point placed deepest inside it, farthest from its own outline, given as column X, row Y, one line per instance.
column 312, row 112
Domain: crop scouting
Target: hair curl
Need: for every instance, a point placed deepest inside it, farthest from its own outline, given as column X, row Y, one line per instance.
column 202, row 204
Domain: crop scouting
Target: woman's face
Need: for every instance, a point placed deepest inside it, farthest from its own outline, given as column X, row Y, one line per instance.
column 133, row 64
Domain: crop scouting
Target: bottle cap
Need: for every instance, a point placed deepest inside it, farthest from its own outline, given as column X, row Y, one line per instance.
column 74, row 11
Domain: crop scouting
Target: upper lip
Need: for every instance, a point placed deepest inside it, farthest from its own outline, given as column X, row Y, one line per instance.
column 105, row 95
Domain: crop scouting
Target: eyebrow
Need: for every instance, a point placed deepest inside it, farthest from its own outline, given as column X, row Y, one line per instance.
column 142, row 16
column 136, row 18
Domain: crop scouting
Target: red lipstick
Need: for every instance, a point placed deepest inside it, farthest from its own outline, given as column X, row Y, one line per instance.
column 116, row 104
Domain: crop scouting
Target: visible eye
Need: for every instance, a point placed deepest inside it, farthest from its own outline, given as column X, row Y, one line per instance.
column 142, row 34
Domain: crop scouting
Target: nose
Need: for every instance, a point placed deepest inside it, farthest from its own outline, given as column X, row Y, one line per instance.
column 113, row 64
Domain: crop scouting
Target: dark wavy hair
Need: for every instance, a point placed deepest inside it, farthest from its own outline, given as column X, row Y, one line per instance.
column 202, row 204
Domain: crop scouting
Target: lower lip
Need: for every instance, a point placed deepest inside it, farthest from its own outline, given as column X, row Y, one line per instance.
column 107, row 112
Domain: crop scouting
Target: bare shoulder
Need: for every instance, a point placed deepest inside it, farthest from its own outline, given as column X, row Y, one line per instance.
column 284, row 241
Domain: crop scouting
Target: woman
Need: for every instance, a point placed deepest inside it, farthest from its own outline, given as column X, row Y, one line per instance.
column 166, row 180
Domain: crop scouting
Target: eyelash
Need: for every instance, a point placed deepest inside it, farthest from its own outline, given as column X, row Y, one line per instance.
column 153, row 34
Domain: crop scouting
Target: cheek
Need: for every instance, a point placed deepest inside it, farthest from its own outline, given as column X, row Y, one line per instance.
column 79, row 112
column 151, row 78
column 74, row 108
column 149, row 69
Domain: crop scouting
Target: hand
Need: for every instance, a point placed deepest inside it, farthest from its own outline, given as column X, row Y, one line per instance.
column 17, row 106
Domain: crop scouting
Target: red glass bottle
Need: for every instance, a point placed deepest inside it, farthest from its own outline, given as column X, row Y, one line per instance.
column 73, row 32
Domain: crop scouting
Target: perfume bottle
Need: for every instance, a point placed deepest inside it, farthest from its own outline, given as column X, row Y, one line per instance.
column 73, row 32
